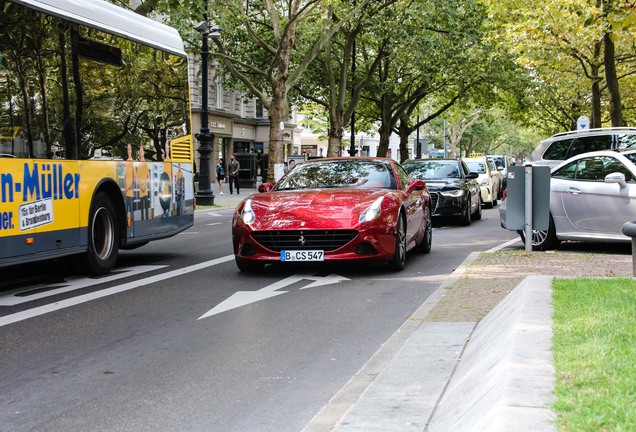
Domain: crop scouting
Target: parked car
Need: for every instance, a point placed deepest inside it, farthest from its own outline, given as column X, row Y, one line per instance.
column 591, row 196
column 498, row 173
column 454, row 190
column 336, row 209
column 562, row 146
column 503, row 162
column 488, row 180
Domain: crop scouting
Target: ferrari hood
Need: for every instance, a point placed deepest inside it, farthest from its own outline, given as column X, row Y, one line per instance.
column 311, row 208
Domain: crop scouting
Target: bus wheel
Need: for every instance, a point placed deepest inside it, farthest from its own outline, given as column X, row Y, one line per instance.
column 103, row 236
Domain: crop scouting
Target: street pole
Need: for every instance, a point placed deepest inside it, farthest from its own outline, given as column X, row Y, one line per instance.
column 445, row 148
column 417, row 140
column 352, row 147
column 204, row 195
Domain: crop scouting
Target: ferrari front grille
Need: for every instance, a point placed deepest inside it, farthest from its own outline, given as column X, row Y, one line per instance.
column 326, row 240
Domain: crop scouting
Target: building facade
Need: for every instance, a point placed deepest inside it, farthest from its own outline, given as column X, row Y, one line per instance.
column 240, row 125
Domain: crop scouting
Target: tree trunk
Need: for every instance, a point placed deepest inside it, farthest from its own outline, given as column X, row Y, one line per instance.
column 454, row 137
column 404, row 131
column 279, row 109
column 275, row 150
column 609, row 60
column 595, row 121
column 386, row 127
column 334, row 148
column 336, row 128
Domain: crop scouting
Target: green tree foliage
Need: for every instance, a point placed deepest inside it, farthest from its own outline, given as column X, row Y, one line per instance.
column 437, row 56
column 344, row 68
column 564, row 47
column 75, row 90
column 267, row 46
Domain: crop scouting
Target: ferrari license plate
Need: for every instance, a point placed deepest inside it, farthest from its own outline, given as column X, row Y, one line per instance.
column 302, row 255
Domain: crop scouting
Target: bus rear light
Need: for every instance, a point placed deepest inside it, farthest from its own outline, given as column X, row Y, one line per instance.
column 30, row 240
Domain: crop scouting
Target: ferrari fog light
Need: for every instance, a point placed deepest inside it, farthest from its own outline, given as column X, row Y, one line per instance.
column 372, row 212
column 247, row 215
column 248, row 250
column 366, row 249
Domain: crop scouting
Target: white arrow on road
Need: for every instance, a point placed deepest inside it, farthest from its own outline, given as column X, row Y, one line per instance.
column 242, row 298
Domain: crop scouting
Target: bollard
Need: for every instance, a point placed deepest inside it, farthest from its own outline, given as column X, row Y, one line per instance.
column 629, row 229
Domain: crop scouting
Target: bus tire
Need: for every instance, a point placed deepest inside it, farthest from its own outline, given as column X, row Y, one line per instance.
column 103, row 236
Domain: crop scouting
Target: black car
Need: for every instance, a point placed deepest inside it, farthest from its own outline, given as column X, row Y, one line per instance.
column 454, row 189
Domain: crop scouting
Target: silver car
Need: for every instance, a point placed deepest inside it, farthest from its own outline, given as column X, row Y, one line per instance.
column 562, row 146
column 591, row 196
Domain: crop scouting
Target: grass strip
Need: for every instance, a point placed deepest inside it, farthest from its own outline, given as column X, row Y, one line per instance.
column 594, row 349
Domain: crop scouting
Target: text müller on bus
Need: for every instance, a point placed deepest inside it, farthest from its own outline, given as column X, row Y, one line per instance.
column 95, row 144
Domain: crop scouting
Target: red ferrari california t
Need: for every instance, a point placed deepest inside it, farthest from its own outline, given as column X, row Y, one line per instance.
column 335, row 209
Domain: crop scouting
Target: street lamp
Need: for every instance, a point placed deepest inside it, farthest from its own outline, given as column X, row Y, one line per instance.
column 352, row 147
column 417, row 140
column 204, row 195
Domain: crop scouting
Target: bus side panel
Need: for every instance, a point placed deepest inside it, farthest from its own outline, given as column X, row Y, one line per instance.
column 163, row 200
column 39, row 207
column 158, row 196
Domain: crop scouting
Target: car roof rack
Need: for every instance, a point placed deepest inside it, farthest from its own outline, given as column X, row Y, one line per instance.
column 612, row 129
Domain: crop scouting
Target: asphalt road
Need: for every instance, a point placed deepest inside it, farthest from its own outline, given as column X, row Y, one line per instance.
column 178, row 339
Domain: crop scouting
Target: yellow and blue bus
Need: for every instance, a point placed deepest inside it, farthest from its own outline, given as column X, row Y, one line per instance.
column 96, row 151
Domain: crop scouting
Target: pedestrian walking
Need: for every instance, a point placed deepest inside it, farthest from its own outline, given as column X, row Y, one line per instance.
column 233, row 169
column 220, row 175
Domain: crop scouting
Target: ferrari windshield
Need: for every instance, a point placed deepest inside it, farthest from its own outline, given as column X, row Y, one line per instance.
column 339, row 174
column 428, row 170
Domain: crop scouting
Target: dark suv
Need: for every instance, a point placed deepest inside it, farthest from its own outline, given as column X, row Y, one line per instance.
column 562, row 146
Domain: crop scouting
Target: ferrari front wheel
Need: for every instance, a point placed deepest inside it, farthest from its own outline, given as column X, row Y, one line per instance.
column 424, row 246
column 399, row 258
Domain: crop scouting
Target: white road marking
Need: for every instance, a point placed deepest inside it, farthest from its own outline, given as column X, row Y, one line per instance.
column 243, row 298
column 71, row 284
column 504, row 245
column 20, row 316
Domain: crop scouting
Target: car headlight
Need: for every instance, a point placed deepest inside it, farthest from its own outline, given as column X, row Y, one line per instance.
column 372, row 212
column 483, row 182
column 453, row 193
column 247, row 215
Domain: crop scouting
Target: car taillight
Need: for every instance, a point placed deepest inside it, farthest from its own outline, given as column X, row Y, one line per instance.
column 505, row 194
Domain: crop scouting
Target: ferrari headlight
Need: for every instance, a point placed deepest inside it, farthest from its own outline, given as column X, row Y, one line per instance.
column 453, row 193
column 372, row 212
column 247, row 215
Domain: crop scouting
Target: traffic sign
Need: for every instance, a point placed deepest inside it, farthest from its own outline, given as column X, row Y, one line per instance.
column 582, row 123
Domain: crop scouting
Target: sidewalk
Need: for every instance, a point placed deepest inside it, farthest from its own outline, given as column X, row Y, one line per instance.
column 228, row 200
column 495, row 375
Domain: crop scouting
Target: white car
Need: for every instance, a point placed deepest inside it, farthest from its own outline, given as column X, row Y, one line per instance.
column 488, row 179
column 592, row 195
column 503, row 162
